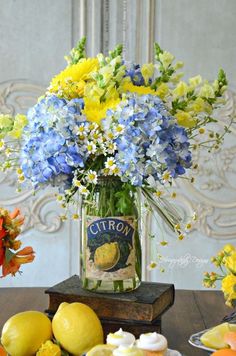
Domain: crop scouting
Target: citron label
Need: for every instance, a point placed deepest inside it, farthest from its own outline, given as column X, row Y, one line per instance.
column 110, row 250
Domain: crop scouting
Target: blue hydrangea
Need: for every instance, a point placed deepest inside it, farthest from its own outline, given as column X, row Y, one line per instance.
column 50, row 151
column 152, row 142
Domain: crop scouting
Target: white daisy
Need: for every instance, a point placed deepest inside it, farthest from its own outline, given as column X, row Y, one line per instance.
column 92, row 177
column 152, row 265
column 91, row 147
column 110, row 163
column 83, row 190
column 119, row 129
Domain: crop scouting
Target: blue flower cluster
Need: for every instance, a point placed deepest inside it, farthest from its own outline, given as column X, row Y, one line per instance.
column 134, row 72
column 50, row 147
column 152, row 143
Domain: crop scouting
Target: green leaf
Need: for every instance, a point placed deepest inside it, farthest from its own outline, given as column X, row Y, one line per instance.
column 124, row 202
column 116, row 52
column 77, row 53
column 8, row 255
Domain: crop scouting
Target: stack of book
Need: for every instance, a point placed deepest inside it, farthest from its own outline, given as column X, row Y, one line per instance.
column 138, row 311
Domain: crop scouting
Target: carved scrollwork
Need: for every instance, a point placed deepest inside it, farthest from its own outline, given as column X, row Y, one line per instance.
column 18, row 96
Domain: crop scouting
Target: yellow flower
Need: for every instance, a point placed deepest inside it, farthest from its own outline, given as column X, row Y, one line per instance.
column 181, row 89
column 162, row 90
column 207, row 91
column 228, row 286
column 166, row 59
column 141, row 90
column 200, row 105
column 147, row 71
column 96, row 111
column 71, row 81
column 230, row 262
column 185, row 119
column 228, row 248
column 195, row 81
column 20, row 122
column 49, row 349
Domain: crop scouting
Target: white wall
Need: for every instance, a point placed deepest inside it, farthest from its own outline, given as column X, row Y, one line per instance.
column 35, row 35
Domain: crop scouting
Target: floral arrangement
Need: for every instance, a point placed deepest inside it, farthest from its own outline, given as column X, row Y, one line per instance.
column 104, row 116
column 11, row 258
column 226, row 262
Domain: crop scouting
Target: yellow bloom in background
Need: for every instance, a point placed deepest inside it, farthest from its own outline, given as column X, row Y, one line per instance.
column 20, row 122
column 185, row 119
column 162, row 90
column 71, row 81
column 229, row 288
column 207, row 91
column 230, row 262
column 166, row 58
column 228, row 248
column 141, row 90
column 195, row 81
column 181, row 90
column 49, row 349
column 96, row 111
column 147, row 71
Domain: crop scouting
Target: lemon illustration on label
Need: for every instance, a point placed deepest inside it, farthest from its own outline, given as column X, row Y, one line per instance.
column 107, row 256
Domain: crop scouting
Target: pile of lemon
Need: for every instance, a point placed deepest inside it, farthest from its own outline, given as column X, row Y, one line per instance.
column 75, row 328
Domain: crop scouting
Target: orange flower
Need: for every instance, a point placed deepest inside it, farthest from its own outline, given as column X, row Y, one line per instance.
column 16, row 245
column 2, row 230
column 26, row 255
column 15, row 213
column 2, row 252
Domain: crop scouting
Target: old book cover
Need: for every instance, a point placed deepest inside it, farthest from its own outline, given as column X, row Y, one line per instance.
column 147, row 303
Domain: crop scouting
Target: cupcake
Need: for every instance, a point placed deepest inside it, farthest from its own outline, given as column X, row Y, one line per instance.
column 127, row 351
column 152, row 344
column 120, row 338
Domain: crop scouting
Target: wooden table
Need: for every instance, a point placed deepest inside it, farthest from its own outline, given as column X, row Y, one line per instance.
column 193, row 311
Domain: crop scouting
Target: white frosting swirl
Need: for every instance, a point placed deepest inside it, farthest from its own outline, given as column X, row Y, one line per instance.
column 127, row 351
column 152, row 342
column 120, row 337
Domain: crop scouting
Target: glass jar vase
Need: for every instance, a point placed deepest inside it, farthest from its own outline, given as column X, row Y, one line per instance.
column 111, row 248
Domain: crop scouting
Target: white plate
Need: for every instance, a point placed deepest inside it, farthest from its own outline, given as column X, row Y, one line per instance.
column 173, row 353
column 194, row 340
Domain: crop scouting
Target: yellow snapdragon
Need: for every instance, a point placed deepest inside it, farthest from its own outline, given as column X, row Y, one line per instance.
column 147, row 71
column 185, row 119
column 181, row 90
column 207, row 91
column 162, row 90
column 166, row 59
column 195, row 81
column 200, row 105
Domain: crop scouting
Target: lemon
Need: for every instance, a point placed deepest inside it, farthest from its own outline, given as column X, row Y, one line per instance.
column 24, row 333
column 77, row 328
column 214, row 338
column 101, row 350
column 107, row 256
